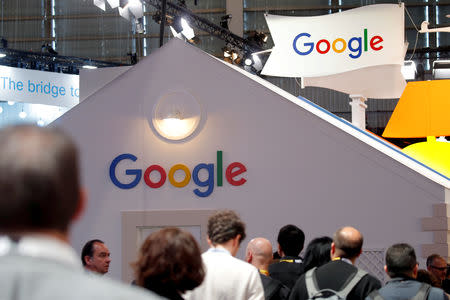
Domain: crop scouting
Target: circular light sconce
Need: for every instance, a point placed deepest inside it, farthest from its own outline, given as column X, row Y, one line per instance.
column 176, row 116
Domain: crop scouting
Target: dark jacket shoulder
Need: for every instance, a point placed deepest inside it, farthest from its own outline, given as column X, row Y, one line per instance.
column 274, row 289
column 334, row 275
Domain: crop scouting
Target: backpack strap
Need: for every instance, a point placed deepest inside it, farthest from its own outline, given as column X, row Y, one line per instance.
column 311, row 283
column 375, row 295
column 423, row 292
column 343, row 293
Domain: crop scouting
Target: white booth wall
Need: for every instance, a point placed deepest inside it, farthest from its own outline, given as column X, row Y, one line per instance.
column 301, row 169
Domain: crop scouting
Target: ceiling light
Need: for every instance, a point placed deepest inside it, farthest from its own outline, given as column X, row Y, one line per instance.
column 11, row 102
column 2, row 55
column 114, row 3
column 89, row 67
column 40, row 123
column 100, row 4
column 22, row 115
column 248, row 62
column 188, row 32
column 1, row 109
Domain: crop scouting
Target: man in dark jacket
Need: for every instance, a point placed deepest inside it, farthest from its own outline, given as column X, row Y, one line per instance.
column 290, row 243
column 345, row 249
column 401, row 266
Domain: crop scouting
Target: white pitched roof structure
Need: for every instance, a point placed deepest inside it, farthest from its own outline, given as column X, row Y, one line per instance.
column 304, row 165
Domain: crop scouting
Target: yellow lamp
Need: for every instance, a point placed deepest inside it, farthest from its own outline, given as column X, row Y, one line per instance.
column 424, row 111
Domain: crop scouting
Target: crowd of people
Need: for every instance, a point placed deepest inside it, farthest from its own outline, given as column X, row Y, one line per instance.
column 42, row 197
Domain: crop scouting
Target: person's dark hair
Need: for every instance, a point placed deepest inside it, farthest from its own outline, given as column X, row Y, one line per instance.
column 291, row 240
column 317, row 253
column 169, row 263
column 400, row 260
column 431, row 258
column 349, row 248
column 224, row 226
column 88, row 249
column 427, row 277
column 39, row 179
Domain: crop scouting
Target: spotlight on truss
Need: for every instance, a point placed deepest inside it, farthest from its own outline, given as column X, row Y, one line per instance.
column 127, row 8
column 225, row 20
column 180, row 27
column 47, row 48
column 257, row 38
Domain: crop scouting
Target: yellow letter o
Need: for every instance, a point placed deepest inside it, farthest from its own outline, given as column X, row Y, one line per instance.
column 186, row 179
column 344, row 45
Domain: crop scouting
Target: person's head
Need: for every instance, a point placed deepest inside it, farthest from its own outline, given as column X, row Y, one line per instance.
column 291, row 240
column 39, row 180
column 259, row 253
column 95, row 256
column 347, row 243
column 169, row 260
column 401, row 261
column 317, row 252
column 427, row 277
column 437, row 265
column 225, row 227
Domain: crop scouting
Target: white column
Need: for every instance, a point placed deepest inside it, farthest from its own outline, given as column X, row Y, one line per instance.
column 236, row 9
column 358, row 111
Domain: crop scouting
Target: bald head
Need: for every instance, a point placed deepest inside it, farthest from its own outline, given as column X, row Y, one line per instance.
column 259, row 253
column 347, row 242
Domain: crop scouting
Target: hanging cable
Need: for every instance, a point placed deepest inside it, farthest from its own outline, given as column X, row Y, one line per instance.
column 417, row 33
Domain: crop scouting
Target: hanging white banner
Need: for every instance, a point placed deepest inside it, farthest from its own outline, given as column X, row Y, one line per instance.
column 336, row 43
column 32, row 86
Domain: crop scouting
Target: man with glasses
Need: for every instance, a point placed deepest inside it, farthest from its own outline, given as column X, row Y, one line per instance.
column 437, row 266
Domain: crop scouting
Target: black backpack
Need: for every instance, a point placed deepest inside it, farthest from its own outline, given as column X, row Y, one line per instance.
column 422, row 294
column 329, row 294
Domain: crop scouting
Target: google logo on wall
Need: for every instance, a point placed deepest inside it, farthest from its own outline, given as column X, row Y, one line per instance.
column 356, row 45
column 232, row 174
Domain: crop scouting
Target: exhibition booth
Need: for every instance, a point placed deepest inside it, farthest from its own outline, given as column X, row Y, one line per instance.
column 251, row 147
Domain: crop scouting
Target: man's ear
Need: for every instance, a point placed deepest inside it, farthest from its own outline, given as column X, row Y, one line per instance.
column 237, row 240
column 81, row 205
column 209, row 242
column 333, row 250
column 249, row 257
column 415, row 270
column 360, row 251
column 87, row 260
column 386, row 269
column 280, row 252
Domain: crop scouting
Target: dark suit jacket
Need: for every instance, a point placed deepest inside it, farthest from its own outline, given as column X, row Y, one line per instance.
column 334, row 275
column 286, row 272
column 274, row 289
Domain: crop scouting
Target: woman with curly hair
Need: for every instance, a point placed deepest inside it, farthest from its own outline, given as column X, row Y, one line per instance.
column 169, row 263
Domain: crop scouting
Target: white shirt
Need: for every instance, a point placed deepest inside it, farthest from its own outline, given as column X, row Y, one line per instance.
column 227, row 278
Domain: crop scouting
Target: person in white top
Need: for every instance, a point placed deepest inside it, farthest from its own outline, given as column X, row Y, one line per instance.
column 40, row 198
column 226, row 276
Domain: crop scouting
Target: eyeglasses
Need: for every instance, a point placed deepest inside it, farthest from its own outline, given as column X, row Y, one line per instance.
column 439, row 268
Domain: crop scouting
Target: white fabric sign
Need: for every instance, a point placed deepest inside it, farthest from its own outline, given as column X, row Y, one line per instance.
column 32, row 86
column 330, row 44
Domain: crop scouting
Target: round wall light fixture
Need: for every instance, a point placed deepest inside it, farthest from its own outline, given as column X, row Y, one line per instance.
column 176, row 116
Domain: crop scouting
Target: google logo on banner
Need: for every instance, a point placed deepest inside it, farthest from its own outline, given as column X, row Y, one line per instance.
column 231, row 173
column 323, row 46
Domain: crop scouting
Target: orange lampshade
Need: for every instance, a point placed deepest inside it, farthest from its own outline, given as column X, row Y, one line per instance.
column 423, row 110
